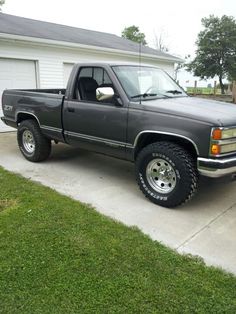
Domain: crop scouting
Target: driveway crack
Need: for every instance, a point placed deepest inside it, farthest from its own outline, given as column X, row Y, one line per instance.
column 206, row 226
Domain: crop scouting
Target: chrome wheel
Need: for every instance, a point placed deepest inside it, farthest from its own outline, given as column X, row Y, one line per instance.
column 161, row 176
column 28, row 141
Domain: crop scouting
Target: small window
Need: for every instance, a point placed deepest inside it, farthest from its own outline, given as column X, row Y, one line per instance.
column 98, row 75
column 89, row 79
column 106, row 79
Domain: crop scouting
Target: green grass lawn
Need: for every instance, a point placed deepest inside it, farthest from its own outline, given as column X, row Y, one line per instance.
column 60, row 256
column 203, row 90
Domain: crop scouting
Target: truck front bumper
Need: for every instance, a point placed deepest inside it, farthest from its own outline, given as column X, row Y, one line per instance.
column 216, row 167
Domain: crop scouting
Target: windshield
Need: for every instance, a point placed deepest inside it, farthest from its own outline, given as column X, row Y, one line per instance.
column 147, row 82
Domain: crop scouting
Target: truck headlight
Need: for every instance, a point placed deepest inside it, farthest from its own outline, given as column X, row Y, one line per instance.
column 220, row 134
column 223, row 141
column 228, row 148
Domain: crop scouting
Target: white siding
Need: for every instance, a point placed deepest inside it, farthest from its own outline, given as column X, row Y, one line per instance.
column 50, row 60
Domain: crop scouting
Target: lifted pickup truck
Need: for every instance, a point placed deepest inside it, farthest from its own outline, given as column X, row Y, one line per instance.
column 132, row 112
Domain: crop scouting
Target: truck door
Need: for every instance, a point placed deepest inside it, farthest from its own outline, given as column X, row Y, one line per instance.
column 91, row 124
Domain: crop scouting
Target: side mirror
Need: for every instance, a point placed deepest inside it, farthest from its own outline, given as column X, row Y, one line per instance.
column 104, row 93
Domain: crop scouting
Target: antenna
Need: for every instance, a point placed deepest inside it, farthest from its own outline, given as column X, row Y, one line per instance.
column 139, row 61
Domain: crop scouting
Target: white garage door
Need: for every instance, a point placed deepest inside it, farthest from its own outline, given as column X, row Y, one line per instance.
column 67, row 68
column 15, row 74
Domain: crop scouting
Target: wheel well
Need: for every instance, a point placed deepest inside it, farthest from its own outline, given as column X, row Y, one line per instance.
column 149, row 138
column 26, row 116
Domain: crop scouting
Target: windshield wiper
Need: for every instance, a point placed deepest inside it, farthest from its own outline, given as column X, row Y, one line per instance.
column 144, row 95
column 174, row 91
column 151, row 95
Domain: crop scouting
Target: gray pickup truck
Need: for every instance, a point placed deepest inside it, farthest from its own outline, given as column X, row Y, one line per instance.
column 132, row 112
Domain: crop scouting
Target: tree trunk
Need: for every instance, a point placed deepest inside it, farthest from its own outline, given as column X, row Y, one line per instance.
column 221, row 85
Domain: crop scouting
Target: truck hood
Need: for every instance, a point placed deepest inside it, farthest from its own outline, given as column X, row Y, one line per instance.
column 208, row 111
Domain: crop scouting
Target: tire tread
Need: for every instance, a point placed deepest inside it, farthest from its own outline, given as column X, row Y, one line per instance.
column 43, row 145
column 180, row 153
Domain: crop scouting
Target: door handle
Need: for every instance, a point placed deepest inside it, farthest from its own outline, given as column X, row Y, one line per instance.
column 71, row 109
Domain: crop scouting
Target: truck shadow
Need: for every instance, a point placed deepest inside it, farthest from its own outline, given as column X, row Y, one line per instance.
column 215, row 191
column 101, row 165
column 211, row 191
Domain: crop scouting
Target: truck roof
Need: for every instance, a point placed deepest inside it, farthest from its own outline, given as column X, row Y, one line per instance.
column 115, row 63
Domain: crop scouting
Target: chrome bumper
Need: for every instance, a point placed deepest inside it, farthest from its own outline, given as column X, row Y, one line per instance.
column 216, row 167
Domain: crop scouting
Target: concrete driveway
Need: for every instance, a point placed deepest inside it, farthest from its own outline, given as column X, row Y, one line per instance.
column 3, row 126
column 206, row 226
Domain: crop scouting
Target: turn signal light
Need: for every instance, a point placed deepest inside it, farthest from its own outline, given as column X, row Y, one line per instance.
column 217, row 134
column 215, row 149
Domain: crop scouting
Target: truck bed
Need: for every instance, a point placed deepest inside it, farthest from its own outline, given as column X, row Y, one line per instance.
column 44, row 104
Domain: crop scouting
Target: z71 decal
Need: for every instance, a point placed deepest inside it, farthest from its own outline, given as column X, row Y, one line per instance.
column 7, row 108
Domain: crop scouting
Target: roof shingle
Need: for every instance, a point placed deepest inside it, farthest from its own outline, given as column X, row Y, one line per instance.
column 16, row 25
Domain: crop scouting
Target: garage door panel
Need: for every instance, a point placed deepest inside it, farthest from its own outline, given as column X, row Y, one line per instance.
column 15, row 74
column 23, row 83
column 5, row 83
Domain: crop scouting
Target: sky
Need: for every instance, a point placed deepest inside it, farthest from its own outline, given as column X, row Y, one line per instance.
column 179, row 22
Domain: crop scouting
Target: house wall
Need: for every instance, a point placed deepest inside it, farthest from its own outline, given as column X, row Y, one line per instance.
column 50, row 59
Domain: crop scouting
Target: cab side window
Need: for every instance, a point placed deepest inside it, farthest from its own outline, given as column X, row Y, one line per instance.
column 89, row 79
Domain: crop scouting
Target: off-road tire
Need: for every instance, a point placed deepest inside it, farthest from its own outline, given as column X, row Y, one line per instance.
column 42, row 145
column 183, row 165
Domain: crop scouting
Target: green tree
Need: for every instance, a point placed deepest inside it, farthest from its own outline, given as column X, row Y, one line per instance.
column 133, row 33
column 1, row 3
column 180, row 65
column 216, row 49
